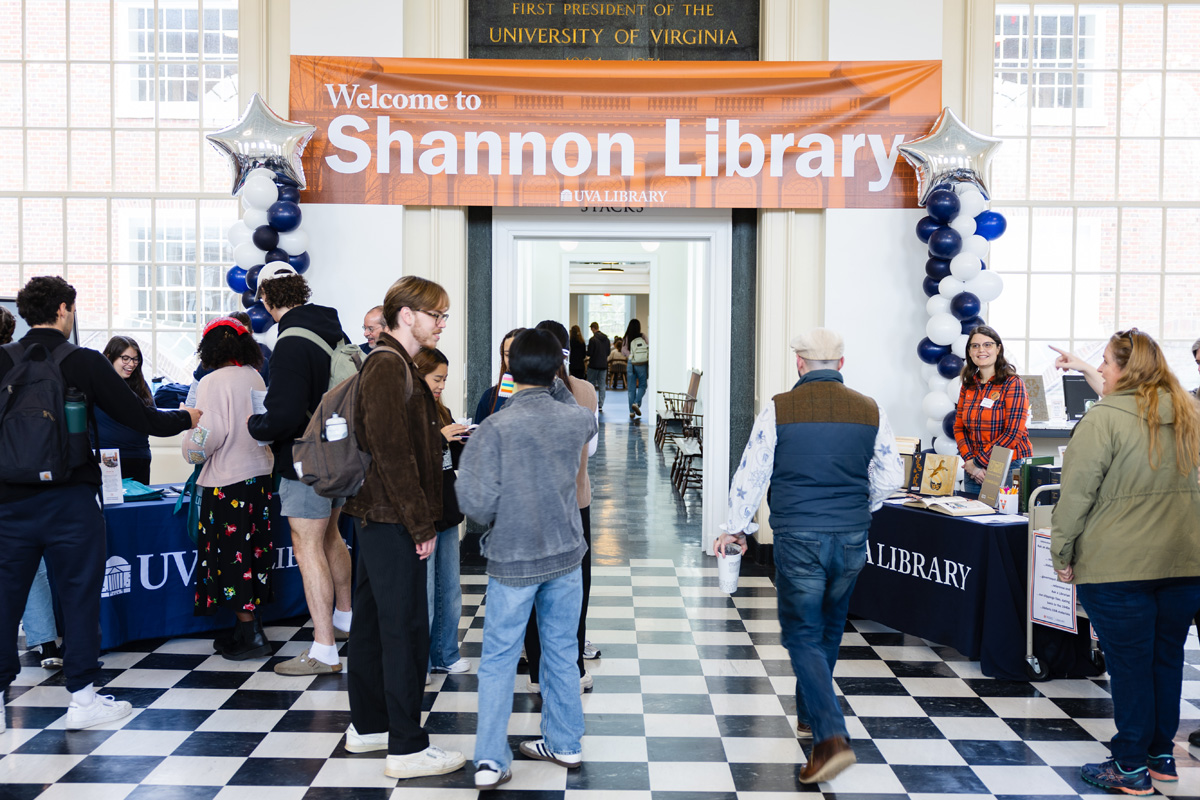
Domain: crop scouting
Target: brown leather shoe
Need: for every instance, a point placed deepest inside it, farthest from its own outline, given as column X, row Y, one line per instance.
column 828, row 759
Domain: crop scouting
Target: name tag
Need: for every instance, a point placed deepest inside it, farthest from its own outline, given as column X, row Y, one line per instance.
column 988, row 402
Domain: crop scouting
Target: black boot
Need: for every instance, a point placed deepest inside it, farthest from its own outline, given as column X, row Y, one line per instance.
column 225, row 640
column 249, row 641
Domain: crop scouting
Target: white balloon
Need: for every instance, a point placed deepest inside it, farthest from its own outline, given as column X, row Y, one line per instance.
column 959, row 348
column 965, row 266
column 928, row 371
column 976, row 245
column 261, row 172
column 254, row 218
column 943, row 329
column 965, row 187
column 954, row 388
column 936, row 405
column 987, row 286
column 238, row 233
column 294, row 242
column 938, row 384
column 950, row 286
column 937, row 305
column 963, row 224
column 246, row 255
column 945, row 446
column 259, row 192
column 934, row 426
column 971, row 204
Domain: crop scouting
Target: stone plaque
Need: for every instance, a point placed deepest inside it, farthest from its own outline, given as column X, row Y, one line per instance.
column 598, row 30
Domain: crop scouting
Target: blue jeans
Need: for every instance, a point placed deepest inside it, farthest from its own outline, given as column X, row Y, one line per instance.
column 38, row 618
column 814, row 576
column 444, row 590
column 1142, row 626
column 636, row 376
column 558, row 603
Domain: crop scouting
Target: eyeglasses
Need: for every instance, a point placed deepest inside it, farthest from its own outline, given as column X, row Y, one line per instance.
column 129, row 359
column 439, row 318
column 982, row 346
column 371, row 328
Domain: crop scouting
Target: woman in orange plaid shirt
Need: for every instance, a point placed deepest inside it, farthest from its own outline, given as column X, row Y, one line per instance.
column 992, row 407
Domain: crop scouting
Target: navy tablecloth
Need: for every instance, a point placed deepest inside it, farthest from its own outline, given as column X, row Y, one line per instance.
column 149, row 578
column 951, row 581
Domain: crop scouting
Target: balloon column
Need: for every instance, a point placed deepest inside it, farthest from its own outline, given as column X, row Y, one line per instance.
column 264, row 154
column 951, row 165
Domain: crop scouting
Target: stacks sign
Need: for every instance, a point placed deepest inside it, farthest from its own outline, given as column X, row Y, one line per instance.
column 952, row 169
column 264, row 155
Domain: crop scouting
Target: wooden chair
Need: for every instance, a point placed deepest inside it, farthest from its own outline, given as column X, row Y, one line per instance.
column 668, row 422
column 686, row 473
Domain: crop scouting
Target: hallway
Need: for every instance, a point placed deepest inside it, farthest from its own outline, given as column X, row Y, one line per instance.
column 693, row 698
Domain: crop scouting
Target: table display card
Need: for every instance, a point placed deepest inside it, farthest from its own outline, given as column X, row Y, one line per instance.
column 1051, row 602
column 110, row 477
column 996, row 476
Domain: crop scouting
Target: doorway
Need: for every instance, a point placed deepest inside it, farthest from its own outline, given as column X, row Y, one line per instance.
column 693, row 296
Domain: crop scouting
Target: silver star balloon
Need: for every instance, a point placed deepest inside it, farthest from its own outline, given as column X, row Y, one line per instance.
column 950, row 152
column 262, row 138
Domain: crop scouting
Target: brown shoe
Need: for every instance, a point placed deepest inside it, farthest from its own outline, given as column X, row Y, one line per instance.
column 803, row 730
column 828, row 759
column 303, row 664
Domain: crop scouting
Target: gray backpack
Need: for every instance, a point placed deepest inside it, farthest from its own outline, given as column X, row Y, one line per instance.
column 345, row 360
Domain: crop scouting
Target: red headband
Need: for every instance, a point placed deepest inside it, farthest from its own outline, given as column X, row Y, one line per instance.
column 238, row 327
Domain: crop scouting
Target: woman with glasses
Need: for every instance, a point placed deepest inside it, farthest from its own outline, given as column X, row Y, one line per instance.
column 125, row 355
column 992, row 407
column 1126, row 531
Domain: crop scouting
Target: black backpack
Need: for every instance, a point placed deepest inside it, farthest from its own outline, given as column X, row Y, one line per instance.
column 35, row 445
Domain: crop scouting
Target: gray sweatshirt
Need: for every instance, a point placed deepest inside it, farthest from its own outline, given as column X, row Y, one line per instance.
column 517, row 475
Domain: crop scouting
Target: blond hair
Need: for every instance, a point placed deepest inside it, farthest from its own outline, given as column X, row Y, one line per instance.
column 1144, row 371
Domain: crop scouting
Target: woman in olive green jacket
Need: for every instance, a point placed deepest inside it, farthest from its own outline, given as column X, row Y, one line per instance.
column 1126, row 530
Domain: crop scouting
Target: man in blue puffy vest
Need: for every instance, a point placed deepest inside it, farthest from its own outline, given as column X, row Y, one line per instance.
column 830, row 458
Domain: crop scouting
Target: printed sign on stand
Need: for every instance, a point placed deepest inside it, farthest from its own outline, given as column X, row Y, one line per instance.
column 110, row 477
column 1051, row 602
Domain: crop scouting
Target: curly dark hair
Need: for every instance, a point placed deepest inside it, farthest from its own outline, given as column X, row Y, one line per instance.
column 115, row 348
column 288, row 291
column 8, row 324
column 223, row 345
column 38, row 302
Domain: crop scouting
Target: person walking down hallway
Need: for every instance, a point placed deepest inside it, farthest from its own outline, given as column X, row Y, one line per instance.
column 577, row 365
column 637, row 350
column 830, row 458
column 597, row 361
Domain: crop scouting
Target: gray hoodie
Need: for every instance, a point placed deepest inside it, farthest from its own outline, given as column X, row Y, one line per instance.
column 517, row 475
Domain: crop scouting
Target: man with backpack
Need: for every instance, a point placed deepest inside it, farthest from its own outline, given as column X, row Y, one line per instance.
column 310, row 355
column 394, row 512
column 50, row 484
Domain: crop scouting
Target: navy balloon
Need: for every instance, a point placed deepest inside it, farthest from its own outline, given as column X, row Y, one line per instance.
column 991, row 225
column 277, row 254
column 971, row 323
column 284, row 216
column 948, row 424
column 930, row 286
column 260, row 320
column 943, row 243
column 926, row 226
column 942, row 205
column 299, row 263
column 265, row 237
column 252, row 278
column 282, row 180
column 248, row 299
column 235, row 279
column 950, row 366
column 965, row 305
column 289, row 193
column 931, row 353
column 937, row 268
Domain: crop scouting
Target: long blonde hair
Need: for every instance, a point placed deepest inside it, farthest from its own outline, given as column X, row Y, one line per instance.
column 1144, row 370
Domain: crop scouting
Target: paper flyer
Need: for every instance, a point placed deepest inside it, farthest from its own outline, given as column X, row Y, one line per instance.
column 110, row 477
column 1052, row 602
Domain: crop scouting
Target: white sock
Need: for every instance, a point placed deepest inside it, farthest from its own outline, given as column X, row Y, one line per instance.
column 326, row 653
column 85, row 696
column 341, row 619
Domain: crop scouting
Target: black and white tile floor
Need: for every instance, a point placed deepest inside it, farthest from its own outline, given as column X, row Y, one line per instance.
column 693, row 699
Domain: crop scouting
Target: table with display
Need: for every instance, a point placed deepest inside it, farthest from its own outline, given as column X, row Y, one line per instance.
column 951, row 581
column 149, row 578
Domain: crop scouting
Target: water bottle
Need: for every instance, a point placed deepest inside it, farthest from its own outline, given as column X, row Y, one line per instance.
column 76, row 411
column 336, row 428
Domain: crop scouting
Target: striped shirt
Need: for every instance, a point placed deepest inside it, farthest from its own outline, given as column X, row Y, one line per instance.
column 979, row 427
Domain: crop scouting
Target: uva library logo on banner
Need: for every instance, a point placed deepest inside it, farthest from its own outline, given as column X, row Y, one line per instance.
column 651, row 134
column 157, row 570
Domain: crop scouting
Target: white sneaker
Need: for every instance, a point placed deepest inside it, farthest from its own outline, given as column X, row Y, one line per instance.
column 430, row 761
column 365, row 742
column 457, row 668
column 538, row 749
column 590, row 651
column 585, row 683
column 488, row 777
column 104, row 708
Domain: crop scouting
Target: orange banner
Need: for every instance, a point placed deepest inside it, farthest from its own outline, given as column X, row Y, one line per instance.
column 437, row 132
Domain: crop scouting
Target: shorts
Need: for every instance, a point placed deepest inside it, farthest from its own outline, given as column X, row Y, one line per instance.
column 298, row 499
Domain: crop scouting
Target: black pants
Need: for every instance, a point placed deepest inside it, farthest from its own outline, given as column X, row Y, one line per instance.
column 66, row 525
column 533, row 645
column 136, row 468
column 389, row 640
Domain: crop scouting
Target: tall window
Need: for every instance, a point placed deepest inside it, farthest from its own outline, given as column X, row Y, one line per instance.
column 610, row 310
column 1099, row 177
column 106, row 178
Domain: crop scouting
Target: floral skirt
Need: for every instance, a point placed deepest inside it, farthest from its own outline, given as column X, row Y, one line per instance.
column 235, row 547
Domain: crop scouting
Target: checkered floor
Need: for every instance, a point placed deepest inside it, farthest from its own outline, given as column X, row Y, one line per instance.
column 693, row 699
